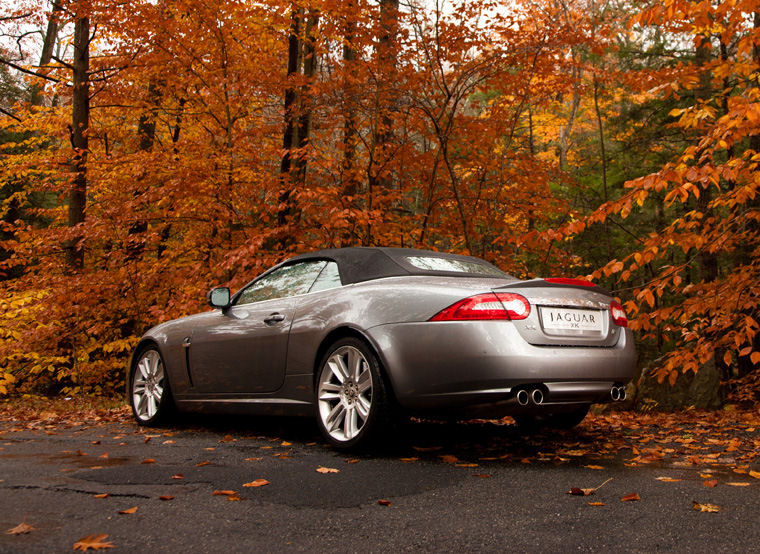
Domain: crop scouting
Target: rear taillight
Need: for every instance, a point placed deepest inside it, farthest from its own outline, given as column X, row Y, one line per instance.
column 499, row 305
column 618, row 314
column 565, row 281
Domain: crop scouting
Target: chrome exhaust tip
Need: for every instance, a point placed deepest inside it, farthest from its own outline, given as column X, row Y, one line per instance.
column 522, row 397
column 537, row 396
column 622, row 394
column 615, row 393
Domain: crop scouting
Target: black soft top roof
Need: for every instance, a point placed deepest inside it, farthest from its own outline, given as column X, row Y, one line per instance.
column 357, row 264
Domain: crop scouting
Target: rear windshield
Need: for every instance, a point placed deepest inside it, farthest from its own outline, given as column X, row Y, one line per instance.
column 432, row 263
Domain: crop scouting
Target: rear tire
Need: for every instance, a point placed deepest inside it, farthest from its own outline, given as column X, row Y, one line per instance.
column 149, row 392
column 352, row 398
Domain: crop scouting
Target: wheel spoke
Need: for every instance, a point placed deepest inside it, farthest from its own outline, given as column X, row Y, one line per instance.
column 350, row 428
column 362, row 407
column 144, row 368
column 153, row 360
column 364, row 382
column 139, row 400
column 152, row 406
column 336, row 417
column 329, row 391
column 354, row 361
column 338, row 368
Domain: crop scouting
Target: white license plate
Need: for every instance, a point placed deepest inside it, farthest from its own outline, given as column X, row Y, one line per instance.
column 571, row 320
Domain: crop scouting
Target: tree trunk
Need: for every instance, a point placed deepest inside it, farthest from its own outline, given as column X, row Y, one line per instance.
column 708, row 262
column 80, row 122
column 303, row 130
column 51, row 35
column 350, row 180
column 380, row 176
column 294, row 61
column 566, row 131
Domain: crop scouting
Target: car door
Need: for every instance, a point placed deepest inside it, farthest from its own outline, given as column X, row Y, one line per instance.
column 243, row 349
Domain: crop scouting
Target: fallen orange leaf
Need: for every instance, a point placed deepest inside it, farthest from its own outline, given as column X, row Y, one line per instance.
column 449, row 459
column 104, row 455
column 576, row 491
column 103, row 495
column 178, row 476
column 595, row 503
column 711, row 483
column 131, row 510
column 755, row 474
column 384, row 502
column 737, row 484
column 234, row 498
column 321, row 469
column 166, row 497
column 20, row 529
column 483, row 475
column 148, row 461
column 594, row 467
column 253, row 459
column 93, row 542
column 203, row 463
column 667, row 479
column 256, row 483
column 353, row 461
column 466, row 465
column 223, row 493
column 630, row 497
column 408, row 460
column 705, row 507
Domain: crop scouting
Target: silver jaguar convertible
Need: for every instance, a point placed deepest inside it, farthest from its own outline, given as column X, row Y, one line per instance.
column 361, row 336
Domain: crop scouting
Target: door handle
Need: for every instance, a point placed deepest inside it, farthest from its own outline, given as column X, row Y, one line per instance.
column 271, row 319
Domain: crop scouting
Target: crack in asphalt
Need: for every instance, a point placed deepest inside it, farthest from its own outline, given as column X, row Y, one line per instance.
column 78, row 491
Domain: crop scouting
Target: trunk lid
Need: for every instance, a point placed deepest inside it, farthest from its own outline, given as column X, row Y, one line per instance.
column 565, row 314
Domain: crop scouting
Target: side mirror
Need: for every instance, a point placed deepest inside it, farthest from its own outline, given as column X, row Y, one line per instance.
column 219, row 297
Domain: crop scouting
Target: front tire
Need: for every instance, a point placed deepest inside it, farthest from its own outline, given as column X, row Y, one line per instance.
column 351, row 396
column 149, row 393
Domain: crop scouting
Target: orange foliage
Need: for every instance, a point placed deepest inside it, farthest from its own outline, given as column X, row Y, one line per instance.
column 695, row 280
column 426, row 145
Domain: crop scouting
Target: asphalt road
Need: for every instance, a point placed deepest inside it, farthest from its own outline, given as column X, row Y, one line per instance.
column 444, row 487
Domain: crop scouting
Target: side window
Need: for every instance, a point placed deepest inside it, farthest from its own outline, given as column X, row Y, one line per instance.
column 289, row 280
column 328, row 279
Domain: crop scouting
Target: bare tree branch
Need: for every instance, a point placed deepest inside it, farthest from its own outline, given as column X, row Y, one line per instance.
column 27, row 71
column 9, row 114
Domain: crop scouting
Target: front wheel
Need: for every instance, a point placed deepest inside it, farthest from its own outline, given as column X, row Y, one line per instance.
column 149, row 392
column 351, row 396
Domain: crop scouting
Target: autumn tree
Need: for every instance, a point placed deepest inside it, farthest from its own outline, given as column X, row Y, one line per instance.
column 693, row 276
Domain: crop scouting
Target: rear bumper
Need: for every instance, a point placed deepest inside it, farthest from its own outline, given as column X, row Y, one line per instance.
column 436, row 366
